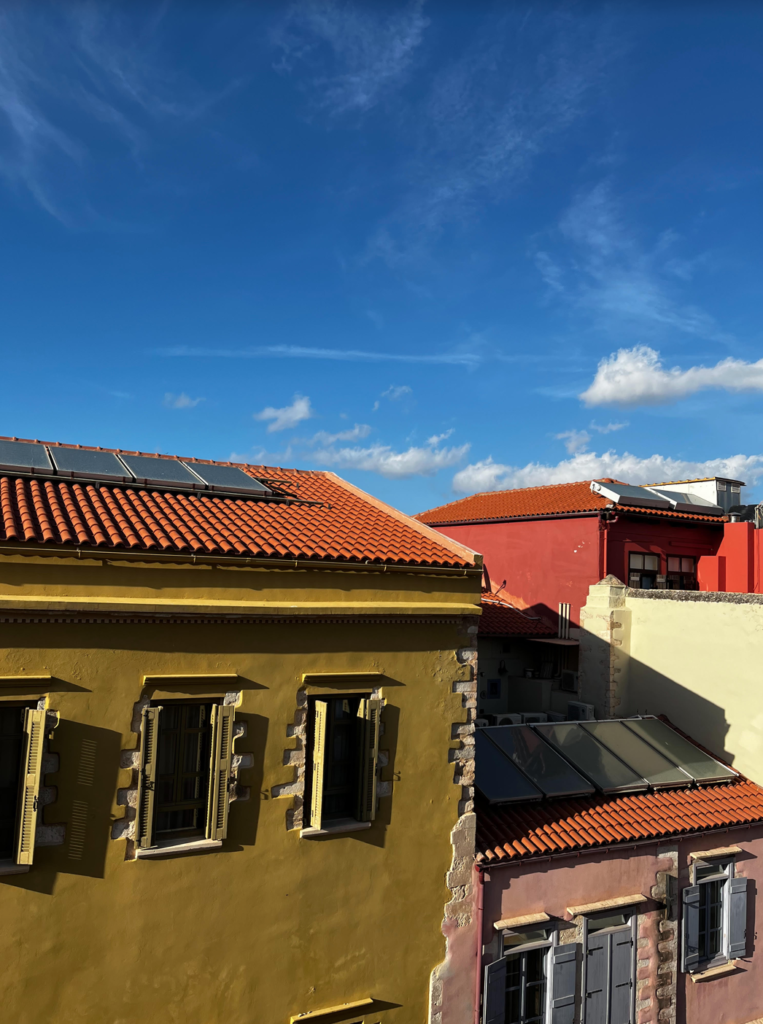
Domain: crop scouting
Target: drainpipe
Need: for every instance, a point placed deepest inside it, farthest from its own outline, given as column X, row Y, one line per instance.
column 607, row 520
column 478, row 952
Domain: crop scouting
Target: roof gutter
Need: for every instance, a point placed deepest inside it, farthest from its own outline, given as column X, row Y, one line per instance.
column 111, row 555
column 516, row 519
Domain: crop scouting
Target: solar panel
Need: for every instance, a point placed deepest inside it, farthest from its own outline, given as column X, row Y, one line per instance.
column 644, row 759
column 24, row 457
column 695, row 762
column 497, row 778
column 227, row 478
column 539, row 761
column 95, row 465
column 148, row 470
column 625, row 494
column 592, row 758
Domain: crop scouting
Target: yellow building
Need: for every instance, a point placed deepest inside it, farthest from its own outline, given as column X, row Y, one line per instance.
column 235, row 750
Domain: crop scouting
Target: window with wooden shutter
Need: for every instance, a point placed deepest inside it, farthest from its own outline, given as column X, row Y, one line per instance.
column 690, row 928
column 368, row 712
column 737, row 917
column 29, row 790
column 219, row 770
column 149, row 746
column 494, row 993
column 564, row 973
column 320, row 722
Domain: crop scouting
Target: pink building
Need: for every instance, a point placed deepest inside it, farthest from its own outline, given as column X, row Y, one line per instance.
column 629, row 906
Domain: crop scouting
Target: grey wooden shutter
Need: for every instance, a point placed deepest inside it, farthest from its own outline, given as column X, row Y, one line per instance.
column 149, row 745
column 737, row 917
column 219, row 770
column 29, row 790
column 596, row 980
column 494, row 994
column 621, row 978
column 368, row 712
column 690, row 928
column 564, row 964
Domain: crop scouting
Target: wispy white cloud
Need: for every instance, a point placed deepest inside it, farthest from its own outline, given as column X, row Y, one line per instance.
column 605, row 270
column 488, row 475
column 287, row 417
column 467, row 356
column 356, row 433
column 356, row 54
column 393, row 393
column 181, row 401
column 383, row 459
column 606, row 428
column 636, row 376
column 574, row 440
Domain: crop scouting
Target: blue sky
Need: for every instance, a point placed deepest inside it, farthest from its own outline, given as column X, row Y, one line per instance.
column 437, row 248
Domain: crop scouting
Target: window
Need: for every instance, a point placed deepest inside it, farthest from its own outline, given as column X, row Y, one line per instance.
column 682, row 573
column 714, row 916
column 345, row 748
column 22, row 731
column 609, row 968
column 533, row 982
column 643, row 570
column 185, row 760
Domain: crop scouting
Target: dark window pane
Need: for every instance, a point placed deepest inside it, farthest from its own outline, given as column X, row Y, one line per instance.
column 182, row 769
column 340, row 779
column 11, row 744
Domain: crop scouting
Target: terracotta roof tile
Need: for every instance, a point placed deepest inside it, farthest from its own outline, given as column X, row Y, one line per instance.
column 345, row 525
column 526, row 502
column 500, row 618
column 515, row 831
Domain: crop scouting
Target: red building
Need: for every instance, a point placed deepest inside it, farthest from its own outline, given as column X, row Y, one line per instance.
column 544, row 546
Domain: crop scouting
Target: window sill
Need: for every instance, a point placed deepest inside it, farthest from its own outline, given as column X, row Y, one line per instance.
column 715, row 972
column 7, row 867
column 339, row 826
column 172, row 847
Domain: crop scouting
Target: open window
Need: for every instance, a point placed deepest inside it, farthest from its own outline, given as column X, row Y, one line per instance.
column 533, row 982
column 344, row 752
column 185, row 763
column 22, row 732
column 714, row 916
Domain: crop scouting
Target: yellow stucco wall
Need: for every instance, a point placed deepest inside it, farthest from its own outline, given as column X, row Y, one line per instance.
column 694, row 657
column 272, row 924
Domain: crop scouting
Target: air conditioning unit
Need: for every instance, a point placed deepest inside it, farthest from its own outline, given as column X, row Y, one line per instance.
column 511, row 719
column 579, row 712
column 556, row 716
column 568, row 681
column 534, row 716
column 481, row 723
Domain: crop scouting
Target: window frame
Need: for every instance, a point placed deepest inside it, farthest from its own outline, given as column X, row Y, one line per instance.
column 679, row 576
column 726, row 871
column 642, row 571
column 632, row 926
column 35, row 727
column 552, row 936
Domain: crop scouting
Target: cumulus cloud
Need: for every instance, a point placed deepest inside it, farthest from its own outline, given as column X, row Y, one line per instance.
column 181, row 401
column 287, row 417
column 488, row 475
column 636, row 376
column 382, row 459
column 356, row 433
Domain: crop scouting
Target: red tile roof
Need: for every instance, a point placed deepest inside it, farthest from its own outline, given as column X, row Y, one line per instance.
column 349, row 525
column 520, row 831
column 526, row 502
column 500, row 618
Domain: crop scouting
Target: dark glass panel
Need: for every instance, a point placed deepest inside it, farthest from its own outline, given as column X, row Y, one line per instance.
column 639, row 755
column 547, row 769
column 497, row 777
column 11, row 748
column 592, row 758
column 680, row 751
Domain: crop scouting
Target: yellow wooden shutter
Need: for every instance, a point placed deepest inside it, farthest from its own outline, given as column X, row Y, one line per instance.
column 319, row 752
column 368, row 711
column 149, row 745
column 31, row 772
column 219, row 770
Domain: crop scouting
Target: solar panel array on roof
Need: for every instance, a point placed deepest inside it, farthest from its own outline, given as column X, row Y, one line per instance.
column 227, row 478
column 149, row 470
column 577, row 758
column 85, row 462
column 24, row 457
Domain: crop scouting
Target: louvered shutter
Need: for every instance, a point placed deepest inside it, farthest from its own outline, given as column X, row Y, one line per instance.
column 320, row 722
column 31, row 772
column 149, row 746
column 621, row 978
column 690, row 928
column 219, row 770
column 596, row 977
column 737, row 917
column 564, row 963
column 368, row 712
column 494, row 994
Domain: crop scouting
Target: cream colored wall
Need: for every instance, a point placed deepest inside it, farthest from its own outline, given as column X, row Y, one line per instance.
column 272, row 924
column 695, row 657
